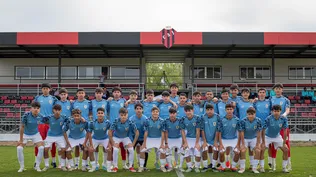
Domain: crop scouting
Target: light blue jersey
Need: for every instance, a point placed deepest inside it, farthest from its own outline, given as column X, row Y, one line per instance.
column 250, row 128
column 180, row 111
column 47, row 103
column 190, row 125
column 154, row 127
column 175, row 99
column 173, row 128
column 113, row 108
column 30, row 123
column 229, row 127
column 148, row 106
column 140, row 124
column 131, row 109
column 76, row 131
column 263, row 109
column 123, row 130
column 84, row 106
column 236, row 100
column 99, row 129
column 212, row 103
column 221, row 107
column 198, row 108
column 209, row 126
column 164, row 110
column 99, row 104
column 273, row 126
column 282, row 101
column 66, row 107
column 55, row 124
column 242, row 107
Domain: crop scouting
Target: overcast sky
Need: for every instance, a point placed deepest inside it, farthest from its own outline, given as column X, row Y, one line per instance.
column 153, row 15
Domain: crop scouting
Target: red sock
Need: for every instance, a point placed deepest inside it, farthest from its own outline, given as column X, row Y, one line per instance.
column 273, row 151
column 53, row 150
column 123, row 151
column 288, row 145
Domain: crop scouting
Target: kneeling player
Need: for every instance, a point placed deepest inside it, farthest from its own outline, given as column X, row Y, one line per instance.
column 271, row 128
column 120, row 129
column 250, row 137
column 29, row 131
column 209, row 123
column 99, row 128
column 55, row 135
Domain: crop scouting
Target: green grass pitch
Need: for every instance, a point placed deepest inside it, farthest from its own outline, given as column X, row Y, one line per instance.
column 303, row 163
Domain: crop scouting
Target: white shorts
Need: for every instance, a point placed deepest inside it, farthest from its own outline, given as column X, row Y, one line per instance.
column 125, row 141
column 153, row 143
column 59, row 140
column 192, row 151
column 104, row 143
column 277, row 141
column 251, row 143
column 34, row 138
column 230, row 143
column 174, row 142
column 75, row 142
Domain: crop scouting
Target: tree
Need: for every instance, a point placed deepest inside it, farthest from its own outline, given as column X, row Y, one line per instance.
column 160, row 75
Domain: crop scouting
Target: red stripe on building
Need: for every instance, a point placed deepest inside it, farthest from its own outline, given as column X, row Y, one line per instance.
column 47, row 38
column 150, row 38
column 288, row 38
column 185, row 38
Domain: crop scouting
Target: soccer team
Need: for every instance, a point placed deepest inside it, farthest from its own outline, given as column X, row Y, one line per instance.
column 215, row 131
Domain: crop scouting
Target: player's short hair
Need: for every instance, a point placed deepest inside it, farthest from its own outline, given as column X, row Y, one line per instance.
column 251, row 110
column 196, row 93
column 63, row 90
column 209, row 106
column 276, row 107
column 224, row 91
column 188, row 107
column 99, row 90
column 262, row 89
column 116, row 89
column 165, row 93
column 133, row 92
column 101, row 109
column 173, row 85
column 209, row 91
column 183, row 94
column 57, row 107
column 138, row 105
column 46, row 85
column 75, row 111
column 36, row 104
column 123, row 111
column 155, row 108
column 80, row 90
column 229, row 106
column 150, row 91
column 278, row 85
column 233, row 87
column 172, row 110
column 245, row 90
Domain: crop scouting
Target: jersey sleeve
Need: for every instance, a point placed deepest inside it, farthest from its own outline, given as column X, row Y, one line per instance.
column 146, row 125
column 86, row 126
column 163, row 125
column 108, row 124
column 133, row 126
column 239, row 128
column 114, row 125
column 91, row 126
column 90, row 105
column 259, row 125
column 66, row 126
column 54, row 100
column 220, row 126
column 242, row 125
column 287, row 103
column 266, row 123
column 45, row 119
column 202, row 123
column 181, row 124
column 285, row 123
column 36, row 98
column 24, row 119
column 198, row 122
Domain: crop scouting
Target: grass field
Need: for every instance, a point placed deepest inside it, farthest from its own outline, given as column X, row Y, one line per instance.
column 303, row 162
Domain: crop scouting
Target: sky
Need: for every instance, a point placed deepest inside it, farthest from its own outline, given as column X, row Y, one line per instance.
column 153, row 15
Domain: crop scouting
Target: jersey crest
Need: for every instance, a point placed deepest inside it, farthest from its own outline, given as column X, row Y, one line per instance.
column 50, row 101
column 234, row 125
column 255, row 127
column 280, row 125
column 177, row 127
column 121, row 104
column 104, row 128
column 61, row 123
column 267, row 106
column 103, row 106
column 85, row 106
column 81, row 129
column 194, row 124
column 281, row 102
column 214, row 124
column 68, row 107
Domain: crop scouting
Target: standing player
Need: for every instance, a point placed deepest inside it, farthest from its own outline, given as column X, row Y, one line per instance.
column 29, row 131
column 154, row 138
column 279, row 99
column 99, row 127
column 119, row 133
column 191, row 138
column 64, row 103
column 130, row 104
column 210, row 100
column 228, row 129
column 234, row 91
column 82, row 104
column 271, row 128
column 165, row 105
column 183, row 101
column 243, row 103
column 198, row 104
column 250, row 137
column 209, row 124
column 47, row 102
column 174, row 93
column 221, row 105
column 149, row 103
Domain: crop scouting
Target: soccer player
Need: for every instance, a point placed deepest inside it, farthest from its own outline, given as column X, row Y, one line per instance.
column 130, row 104
column 29, row 131
column 139, row 119
column 154, row 138
column 228, row 129
column 64, row 103
column 198, row 104
column 97, row 103
column 82, row 104
column 210, row 100
column 149, row 103
column 99, row 127
column 174, row 93
column 243, row 103
column 55, row 135
column 209, row 124
column 165, row 105
column 119, row 133
column 234, row 91
column 279, row 99
column 47, row 102
column 262, row 105
column 183, row 101
column 221, row 105
column 190, row 131
column 250, row 137
column 77, row 136
column 173, row 139
column 271, row 129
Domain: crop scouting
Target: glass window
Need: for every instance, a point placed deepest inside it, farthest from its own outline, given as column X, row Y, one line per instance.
column 199, row 72
column 307, row 72
column 292, row 73
column 117, row 72
column 209, row 72
column 255, row 72
column 51, row 72
column 217, row 73
column 251, row 73
column 23, row 72
column 314, row 72
column 132, row 73
column 299, row 73
column 89, row 72
column 243, row 73
column 69, row 72
column 266, row 73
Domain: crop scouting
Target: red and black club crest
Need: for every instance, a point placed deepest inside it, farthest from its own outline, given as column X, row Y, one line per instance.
column 168, row 37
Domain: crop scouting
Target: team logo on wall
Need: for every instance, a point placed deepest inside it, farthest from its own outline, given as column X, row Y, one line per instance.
column 168, row 36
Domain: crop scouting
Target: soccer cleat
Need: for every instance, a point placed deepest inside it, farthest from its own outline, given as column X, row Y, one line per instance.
column 125, row 167
column 76, row 167
column 103, row 168
column 88, row 167
column 274, row 167
column 255, row 171
column 71, row 169
column 197, row 170
column 83, row 168
column 54, row 164
column 233, row 169
column 228, row 164
column 218, row 165
column 289, row 166
column 21, row 170
column 270, row 166
column 242, row 170
column 64, row 169
column 163, row 169
column 115, row 169
column 140, row 169
column 182, row 170
column 59, row 166
column 215, row 169
column 250, row 167
column 38, row 169
column 189, row 170
column 285, row 170
column 210, row 165
column 169, row 169
column 221, row 169
column 92, row 170
column 97, row 168
column 132, row 170
column 204, row 169
column 261, row 170
column 157, row 165
column 45, row 168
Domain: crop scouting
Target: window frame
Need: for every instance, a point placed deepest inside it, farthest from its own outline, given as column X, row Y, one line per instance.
column 122, row 66
column 255, row 72
column 205, row 72
column 30, row 73
column 303, row 77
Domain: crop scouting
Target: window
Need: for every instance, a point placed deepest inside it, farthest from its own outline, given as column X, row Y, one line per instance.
column 30, row 72
column 255, row 72
column 208, row 72
column 302, row 72
column 122, row 72
column 66, row 72
column 89, row 72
